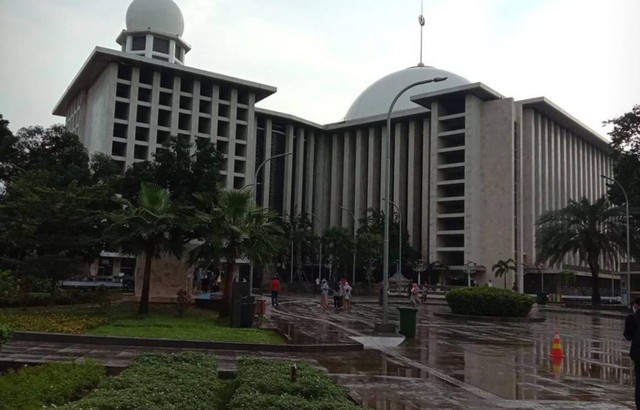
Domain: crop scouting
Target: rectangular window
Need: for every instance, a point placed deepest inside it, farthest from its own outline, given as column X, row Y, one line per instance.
column 178, row 53
column 161, row 45
column 140, row 152
column 139, row 43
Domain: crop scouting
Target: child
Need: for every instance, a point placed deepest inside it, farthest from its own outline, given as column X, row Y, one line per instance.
column 347, row 296
column 324, row 298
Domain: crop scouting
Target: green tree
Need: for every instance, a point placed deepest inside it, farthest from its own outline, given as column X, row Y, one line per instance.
column 592, row 231
column 503, row 267
column 179, row 167
column 625, row 144
column 151, row 226
column 339, row 248
column 373, row 222
column 231, row 226
column 51, row 211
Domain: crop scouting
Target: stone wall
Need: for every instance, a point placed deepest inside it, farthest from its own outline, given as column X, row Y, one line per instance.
column 168, row 275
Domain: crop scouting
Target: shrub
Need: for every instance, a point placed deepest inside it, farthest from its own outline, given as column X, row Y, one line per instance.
column 160, row 381
column 101, row 298
column 266, row 384
column 50, row 322
column 48, row 384
column 63, row 297
column 183, row 302
column 5, row 334
column 486, row 301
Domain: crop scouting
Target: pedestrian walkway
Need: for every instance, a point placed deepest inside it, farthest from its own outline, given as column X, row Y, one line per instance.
column 451, row 364
column 467, row 364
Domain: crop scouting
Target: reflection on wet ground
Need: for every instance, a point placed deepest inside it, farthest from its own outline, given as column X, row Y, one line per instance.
column 467, row 364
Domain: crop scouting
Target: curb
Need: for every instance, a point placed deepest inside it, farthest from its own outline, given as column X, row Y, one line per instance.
column 181, row 344
column 494, row 319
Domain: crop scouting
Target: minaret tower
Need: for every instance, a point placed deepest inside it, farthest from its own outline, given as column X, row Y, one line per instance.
column 421, row 21
column 154, row 30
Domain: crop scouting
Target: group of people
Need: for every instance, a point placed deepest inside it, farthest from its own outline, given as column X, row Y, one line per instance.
column 418, row 294
column 341, row 292
column 206, row 281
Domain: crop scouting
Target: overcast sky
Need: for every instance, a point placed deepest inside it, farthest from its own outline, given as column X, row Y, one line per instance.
column 581, row 54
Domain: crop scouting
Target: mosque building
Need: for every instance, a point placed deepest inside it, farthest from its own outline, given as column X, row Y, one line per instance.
column 471, row 169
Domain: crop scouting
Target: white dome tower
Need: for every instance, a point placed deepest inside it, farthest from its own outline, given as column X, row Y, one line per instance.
column 154, row 30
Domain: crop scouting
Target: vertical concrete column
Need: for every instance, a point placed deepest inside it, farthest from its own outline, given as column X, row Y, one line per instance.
column 233, row 121
column 528, row 166
column 473, row 205
column 310, row 176
column 153, row 121
column 299, row 182
column 265, row 172
column 320, row 196
column 288, row 171
column 425, row 185
column 252, row 136
column 361, row 184
column 545, row 164
column 348, row 181
column 399, row 167
column 373, row 161
column 539, row 165
column 215, row 109
column 175, row 105
column 336, row 180
column 553, row 160
column 432, row 164
column 133, row 108
column 195, row 113
column 383, row 156
column 413, row 189
column 520, row 187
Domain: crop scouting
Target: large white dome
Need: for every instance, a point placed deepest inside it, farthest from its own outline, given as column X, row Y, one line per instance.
column 375, row 100
column 162, row 16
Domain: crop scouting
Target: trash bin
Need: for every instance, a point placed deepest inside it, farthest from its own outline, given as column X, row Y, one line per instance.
column 541, row 298
column 408, row 321
column 247, row 311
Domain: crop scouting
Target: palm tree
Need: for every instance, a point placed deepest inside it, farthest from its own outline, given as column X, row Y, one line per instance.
column 149, row 227
column 232, row 227
column 593, row 231
column 503, row 267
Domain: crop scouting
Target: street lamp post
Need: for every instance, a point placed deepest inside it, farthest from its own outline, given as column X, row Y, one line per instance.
column 355, row 245
column 470, row 268
column 420, row 267
column 397, row 208
column 625, row 296
column 255, row 182
column 387, row 176
column 320, row 251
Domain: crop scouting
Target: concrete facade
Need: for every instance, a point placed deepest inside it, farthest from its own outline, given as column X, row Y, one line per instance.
column 471, row 169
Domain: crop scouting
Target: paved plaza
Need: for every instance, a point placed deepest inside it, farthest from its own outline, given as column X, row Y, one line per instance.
column 451, row 364
column 469, row 364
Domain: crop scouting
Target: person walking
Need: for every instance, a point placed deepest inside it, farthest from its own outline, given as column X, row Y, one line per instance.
column 632, row 333
column 324, row 290
column 275, row 289
column 347, row 295
column 415, row 292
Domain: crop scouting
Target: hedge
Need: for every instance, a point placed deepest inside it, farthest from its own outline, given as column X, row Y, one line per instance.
column 160, row 381
column 62, row 297
column 48, row 384
column 266, row 384
column 486, row 301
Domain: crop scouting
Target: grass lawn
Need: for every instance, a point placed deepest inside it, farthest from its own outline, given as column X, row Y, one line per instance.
column 123, row 320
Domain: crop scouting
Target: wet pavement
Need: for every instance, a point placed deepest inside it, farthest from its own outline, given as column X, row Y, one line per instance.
column 466, row 364
column 450, row 364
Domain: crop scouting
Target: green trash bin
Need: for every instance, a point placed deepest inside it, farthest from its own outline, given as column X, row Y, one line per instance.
column 541, row 298
column 408, row 321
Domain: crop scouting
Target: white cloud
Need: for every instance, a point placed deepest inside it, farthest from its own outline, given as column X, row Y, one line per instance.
column 583, row 55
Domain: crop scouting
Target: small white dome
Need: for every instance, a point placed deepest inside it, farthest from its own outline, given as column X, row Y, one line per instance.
column 162, row 16
column 375, row 100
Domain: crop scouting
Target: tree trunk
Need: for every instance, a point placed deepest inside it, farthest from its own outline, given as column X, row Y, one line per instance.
column 595, row 284
column 228, row 285
column 143, row 308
